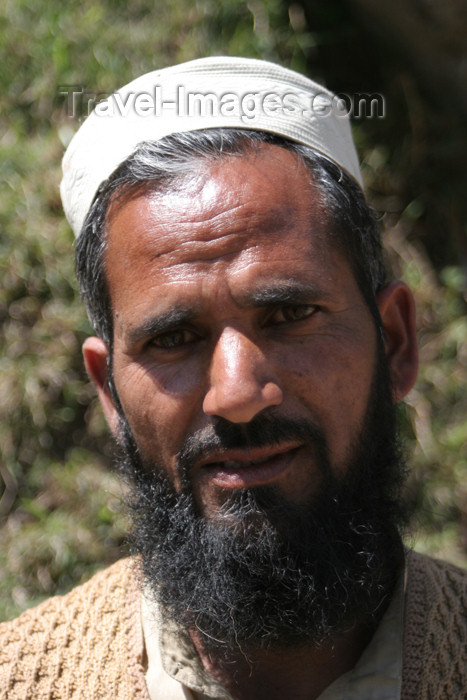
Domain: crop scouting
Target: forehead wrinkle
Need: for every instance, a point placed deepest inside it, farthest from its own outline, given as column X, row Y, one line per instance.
column 239, row 210
column 217, row 243
column 208, row 229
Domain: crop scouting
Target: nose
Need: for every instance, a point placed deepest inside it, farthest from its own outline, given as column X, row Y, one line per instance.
column 240, row 384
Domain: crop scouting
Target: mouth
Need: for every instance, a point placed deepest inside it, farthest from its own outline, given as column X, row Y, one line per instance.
column 246, row 468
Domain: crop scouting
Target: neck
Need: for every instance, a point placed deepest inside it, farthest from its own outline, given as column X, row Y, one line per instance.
column 300, row 673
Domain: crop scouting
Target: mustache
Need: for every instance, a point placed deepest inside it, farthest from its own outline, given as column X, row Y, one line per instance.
column 265, row 430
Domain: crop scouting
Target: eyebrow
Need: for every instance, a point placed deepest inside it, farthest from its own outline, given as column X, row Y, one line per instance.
column 281, row 293
column 287, row 292
column 162, row 323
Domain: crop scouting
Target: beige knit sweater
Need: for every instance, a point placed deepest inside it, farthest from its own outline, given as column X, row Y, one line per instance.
column 88, row 644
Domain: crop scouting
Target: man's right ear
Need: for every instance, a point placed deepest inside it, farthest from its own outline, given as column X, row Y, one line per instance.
column 96, row 354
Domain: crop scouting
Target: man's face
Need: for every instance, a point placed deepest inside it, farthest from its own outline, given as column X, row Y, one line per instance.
column 229, row 302
column 254, row 406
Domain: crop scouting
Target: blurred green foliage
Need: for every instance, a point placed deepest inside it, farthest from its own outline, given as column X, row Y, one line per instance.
column 60, row 510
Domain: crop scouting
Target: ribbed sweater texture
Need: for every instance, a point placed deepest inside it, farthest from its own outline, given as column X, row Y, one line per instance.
column 88, row 644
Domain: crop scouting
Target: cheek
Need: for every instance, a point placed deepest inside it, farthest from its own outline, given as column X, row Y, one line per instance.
column 334, row 388
column 178, row 379
column 159, row 406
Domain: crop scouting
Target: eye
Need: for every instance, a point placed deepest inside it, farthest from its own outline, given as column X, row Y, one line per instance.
column 173, row 339
column 293, row 312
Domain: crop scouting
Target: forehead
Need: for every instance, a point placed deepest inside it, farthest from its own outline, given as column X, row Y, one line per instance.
column 252, row 215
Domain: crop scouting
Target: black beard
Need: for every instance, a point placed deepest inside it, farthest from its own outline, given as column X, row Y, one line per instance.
column 267, row 573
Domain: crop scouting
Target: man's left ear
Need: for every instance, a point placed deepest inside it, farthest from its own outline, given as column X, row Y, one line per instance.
column 397, row 309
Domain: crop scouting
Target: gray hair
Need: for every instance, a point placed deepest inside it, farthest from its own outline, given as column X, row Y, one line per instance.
column 166, row 163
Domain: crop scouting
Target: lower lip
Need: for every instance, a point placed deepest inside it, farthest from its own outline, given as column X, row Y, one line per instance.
column 252, row 475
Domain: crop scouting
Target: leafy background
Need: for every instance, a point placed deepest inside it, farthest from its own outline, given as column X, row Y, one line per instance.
column 60, row 503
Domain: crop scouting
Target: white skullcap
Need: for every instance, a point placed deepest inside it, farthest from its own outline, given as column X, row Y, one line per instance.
column 202, row 94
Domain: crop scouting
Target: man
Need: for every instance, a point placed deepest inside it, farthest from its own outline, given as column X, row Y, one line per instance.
column 248, row 355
